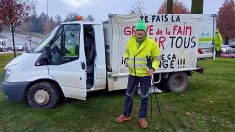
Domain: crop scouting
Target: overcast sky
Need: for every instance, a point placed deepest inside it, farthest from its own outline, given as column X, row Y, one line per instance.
column 100, row 9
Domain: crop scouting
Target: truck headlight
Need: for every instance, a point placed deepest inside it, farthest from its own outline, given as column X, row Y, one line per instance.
column 7, row 74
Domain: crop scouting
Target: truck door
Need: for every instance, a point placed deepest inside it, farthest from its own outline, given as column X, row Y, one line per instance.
column 68, row 63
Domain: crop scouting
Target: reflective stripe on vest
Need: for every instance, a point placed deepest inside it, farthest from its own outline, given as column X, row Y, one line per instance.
column 157, row 57
column 138, row 59
column 138, row 65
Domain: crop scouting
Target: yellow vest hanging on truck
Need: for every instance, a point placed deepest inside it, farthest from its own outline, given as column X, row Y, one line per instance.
column 137, row 63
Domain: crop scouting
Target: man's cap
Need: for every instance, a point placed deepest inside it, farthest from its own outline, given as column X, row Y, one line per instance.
column 140, row 26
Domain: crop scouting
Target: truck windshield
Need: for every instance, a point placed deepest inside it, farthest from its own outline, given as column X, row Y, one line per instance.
column 40, row 47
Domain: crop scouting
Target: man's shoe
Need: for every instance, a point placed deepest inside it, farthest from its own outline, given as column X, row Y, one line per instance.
column 122, row 118
column 143, row 122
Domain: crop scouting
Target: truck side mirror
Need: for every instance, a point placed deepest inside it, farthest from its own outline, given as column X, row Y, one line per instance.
column 48, row 52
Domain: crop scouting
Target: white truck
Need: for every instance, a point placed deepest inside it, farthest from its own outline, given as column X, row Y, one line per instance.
column 80, row 57
column 3, row 44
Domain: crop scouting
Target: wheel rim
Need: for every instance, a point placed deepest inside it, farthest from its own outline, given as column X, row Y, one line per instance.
column 178, row 82
column 41, row 97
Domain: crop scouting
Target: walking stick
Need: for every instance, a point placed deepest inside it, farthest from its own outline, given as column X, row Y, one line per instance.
column 159, row 111
column 149, row 64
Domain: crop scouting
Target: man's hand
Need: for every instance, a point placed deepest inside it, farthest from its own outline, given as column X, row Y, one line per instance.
column 151, row 71
column 126, row 62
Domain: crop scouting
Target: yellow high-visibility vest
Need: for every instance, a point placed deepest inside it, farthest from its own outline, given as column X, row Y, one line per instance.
column 137, row 63
column 72, row 51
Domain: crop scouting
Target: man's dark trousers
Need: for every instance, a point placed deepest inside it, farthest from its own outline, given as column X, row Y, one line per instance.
column 133, row 82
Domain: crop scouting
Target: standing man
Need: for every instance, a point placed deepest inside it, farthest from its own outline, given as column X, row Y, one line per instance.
column 218, row 40
column 138, row 48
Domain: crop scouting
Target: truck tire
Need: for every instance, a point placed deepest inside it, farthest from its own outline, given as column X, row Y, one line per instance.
column 178, row 82
column 43, row 95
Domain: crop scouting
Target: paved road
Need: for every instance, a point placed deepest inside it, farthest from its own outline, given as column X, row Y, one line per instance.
column 22, row 38
column 34, row 40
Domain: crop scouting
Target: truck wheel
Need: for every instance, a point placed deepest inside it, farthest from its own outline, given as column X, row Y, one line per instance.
column 43, row 95
column 178, row 82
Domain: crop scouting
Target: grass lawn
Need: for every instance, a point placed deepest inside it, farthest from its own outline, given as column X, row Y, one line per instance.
column 208, row 105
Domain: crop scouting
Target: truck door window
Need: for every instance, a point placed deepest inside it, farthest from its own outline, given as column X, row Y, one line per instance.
column 65, row 44
column 40, row 47
column 71, row 41
column 56, row 47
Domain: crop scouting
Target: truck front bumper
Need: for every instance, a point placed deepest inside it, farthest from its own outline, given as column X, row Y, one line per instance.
column 14, row 90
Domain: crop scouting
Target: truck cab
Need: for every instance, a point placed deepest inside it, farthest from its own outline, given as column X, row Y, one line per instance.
column 68, row 63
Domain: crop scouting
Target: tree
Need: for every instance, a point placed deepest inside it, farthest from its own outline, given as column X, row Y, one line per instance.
column 58, row 19
column 33, row 23
column 1, row 20
column 137, row 7
column 90, row 18
column 226, row 18
column 72, row 16
column 169, row 6
column 15, row 12
column 178, row 8
column 51, row 25
column 197, row 7
column 1, row 26
column 42, row 20
column 1, row 23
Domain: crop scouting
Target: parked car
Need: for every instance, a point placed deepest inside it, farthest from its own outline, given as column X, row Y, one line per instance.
column 226, row 49
column 232, row 47
column 9, row 48
column 20, row 46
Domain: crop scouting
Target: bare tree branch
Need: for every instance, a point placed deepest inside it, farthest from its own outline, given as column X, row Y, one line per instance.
column 137, row 7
